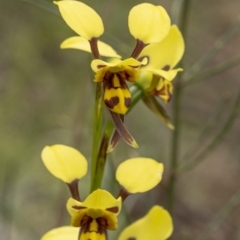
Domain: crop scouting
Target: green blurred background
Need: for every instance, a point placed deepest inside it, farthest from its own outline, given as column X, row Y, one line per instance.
column 46, row 97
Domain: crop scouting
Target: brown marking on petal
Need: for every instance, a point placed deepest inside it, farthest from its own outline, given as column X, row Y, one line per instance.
column 78, row 207
column 112, row 209
column 84, row 223
column 121, row 76
column 131, row 238
column 100, row 66
column 112, row 102
column 127, row 102
column 102, row 225
column 166, row 68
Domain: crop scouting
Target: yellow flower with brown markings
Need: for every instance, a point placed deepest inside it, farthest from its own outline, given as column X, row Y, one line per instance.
column 98, row 212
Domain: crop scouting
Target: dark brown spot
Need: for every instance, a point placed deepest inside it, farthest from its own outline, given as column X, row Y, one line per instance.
column 78, row 207
column 103, row 224
column 112, row 209
column 127, row 102
column 166, row 68
column 100, row 66
column 131, row 238
column 112, row 102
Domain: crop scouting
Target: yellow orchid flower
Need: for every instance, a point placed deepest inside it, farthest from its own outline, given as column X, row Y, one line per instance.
column 116, row 94
column 151, row 27
column 155, row 225
column 147, row 24
column 98, row 213
column 171, row 49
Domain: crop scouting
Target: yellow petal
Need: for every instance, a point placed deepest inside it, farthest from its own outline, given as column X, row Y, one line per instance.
column 99, row 199
column 62, row 233
column 166, row 53
column 139, row 174
column 148, row 23
column 108, row 210
column 169, row 75
column 118, row 99
column 65, row 163
column 156, row 225
column 82, row 43
column 115, row 66
column 81, row 18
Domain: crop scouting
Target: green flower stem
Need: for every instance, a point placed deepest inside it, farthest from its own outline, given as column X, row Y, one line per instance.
column 99, row 152
column 216, row 141
column 101, row 157
column 137, row 94
column 232, row 204
column 176, row 117
column 97, row 131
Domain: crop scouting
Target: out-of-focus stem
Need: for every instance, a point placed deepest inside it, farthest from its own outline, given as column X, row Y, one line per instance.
column 217, row 139
column 232, row 204
column 176, row 117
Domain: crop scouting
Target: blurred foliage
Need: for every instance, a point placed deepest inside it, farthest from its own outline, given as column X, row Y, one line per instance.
column 46, row 98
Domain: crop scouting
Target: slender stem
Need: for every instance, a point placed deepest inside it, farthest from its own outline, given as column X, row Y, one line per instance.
column 99, row 152
column 176, row 118
column 94, row 48
column 139, row 47
column 175, row 146
column 97, row 124
column 97, row 131
column 73, row 187
column 101, row 157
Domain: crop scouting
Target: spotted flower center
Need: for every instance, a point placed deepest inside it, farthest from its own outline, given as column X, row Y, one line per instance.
column 116, row 93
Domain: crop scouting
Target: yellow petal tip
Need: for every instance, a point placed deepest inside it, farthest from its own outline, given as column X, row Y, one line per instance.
column 135, row 145
column 171, row 126
column 110, row 148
